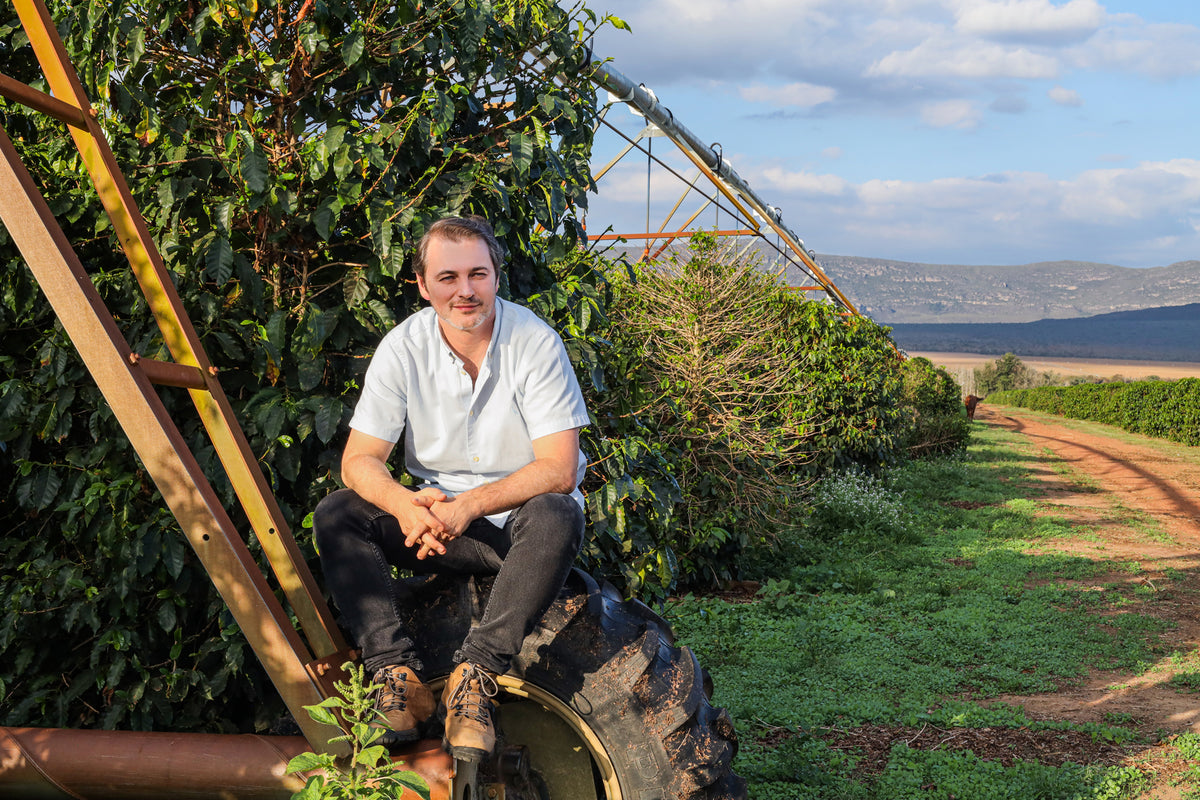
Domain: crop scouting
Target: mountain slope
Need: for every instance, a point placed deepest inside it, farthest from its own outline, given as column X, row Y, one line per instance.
column 903, row 292
column 1153, row 334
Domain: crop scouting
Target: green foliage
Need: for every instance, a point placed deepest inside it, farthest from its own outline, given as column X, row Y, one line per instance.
column 285, row 156
column 719, row 378
column 854, row 394
column 1005, row 373
column 934, row 398
column 1163, row 409
column 710, row 410
column 859, row 623
column 1185, row 748
column 858, row 508
column 929, row 389
column 632, row 492
column 368, row 772
column 943, row 775
column 718, row 395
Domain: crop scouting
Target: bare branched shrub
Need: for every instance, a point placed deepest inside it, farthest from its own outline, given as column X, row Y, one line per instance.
column 722, row 385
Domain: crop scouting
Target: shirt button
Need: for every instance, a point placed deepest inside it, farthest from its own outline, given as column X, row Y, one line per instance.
column 476, row 458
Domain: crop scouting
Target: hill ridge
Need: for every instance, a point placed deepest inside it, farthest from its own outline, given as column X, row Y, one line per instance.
column 1168, row 333
column 892, row 291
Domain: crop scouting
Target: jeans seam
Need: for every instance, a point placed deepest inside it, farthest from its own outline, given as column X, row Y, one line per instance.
column 385, row 566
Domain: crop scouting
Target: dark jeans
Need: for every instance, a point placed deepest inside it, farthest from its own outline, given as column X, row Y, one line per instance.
column 530, row 557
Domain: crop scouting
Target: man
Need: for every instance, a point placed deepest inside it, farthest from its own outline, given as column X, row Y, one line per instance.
column 490, row 410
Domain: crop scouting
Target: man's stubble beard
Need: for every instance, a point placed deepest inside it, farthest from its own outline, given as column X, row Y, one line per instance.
column 478, row 322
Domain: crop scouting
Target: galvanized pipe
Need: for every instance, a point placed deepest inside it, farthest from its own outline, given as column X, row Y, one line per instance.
column 52, row 763
column 624, row 89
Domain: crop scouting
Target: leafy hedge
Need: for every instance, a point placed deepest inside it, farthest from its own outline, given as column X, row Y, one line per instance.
column 285, row 158
column 718, row 395
column 934, row 399
column 1163, row 409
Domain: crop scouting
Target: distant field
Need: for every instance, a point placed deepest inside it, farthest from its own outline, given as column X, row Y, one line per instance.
column 959, row 363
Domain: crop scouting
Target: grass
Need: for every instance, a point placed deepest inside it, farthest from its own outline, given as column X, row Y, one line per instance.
column 918, row 620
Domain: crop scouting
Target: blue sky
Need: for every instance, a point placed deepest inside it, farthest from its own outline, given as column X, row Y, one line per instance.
column 940, row 131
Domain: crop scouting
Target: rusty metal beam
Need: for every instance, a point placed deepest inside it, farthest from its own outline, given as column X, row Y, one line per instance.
column 40, row 101
column 672, row 234
column 51, row 763
column 166, row 373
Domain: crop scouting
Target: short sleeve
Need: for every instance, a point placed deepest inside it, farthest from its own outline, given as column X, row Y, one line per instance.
column 551, row 400
column 383, row 404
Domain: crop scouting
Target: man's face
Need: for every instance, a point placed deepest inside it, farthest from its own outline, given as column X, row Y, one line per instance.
column 460, row 282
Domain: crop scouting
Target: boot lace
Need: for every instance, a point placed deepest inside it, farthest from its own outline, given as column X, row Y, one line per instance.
column 472, row 697
column 393, row 692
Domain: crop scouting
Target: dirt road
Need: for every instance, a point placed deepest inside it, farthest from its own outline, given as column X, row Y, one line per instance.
column 1136, row 502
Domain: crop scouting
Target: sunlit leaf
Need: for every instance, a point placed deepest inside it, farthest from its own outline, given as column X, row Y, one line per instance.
column 352, row 47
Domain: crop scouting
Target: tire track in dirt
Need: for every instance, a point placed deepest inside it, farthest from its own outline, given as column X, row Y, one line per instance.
column 1157, row 484
column 1133, row 500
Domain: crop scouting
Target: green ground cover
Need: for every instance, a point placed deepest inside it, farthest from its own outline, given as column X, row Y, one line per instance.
column 911, row 601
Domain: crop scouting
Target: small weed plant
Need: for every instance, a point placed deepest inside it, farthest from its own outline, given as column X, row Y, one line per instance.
column 859, row 509
column 1185, row 749
column 368, row 773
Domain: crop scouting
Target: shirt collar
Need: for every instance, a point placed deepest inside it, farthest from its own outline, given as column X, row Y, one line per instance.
column 497, row 329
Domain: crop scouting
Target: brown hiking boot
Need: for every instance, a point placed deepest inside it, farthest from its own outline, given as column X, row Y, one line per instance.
column 402, row 700
column 468, row 697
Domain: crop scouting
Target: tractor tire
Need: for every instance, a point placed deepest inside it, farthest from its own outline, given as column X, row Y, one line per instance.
column 604, row 671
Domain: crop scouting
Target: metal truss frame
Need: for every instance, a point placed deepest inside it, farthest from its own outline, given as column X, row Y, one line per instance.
column 300, row 671
column 730, row 192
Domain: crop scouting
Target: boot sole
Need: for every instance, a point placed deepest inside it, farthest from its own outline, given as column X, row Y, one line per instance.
column 392, row 736
column 466, row 753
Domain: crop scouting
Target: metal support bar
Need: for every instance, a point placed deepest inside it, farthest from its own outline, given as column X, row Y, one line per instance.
column 40, row 101
column 671, row 234
column 708, row 202
column 56, row 763
column 166, row 373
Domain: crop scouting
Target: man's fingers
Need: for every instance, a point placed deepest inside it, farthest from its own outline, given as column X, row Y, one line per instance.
column 430, row 546
column 427, row 497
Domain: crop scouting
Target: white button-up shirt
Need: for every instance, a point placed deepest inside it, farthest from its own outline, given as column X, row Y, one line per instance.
column 458, row 436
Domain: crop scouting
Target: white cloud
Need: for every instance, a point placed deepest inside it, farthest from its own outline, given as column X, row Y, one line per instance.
column 951, row 114
column 953, row 58
column 1065, row 97
column 1144, row 192
column 804, row 95
column 1144, row 215
column 808, row 183
column 1037, row 21
column 903, row 67
column 887, row 55
column 1161, row 51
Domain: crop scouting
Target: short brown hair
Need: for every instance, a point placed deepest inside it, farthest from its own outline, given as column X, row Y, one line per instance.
column 456, row 229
